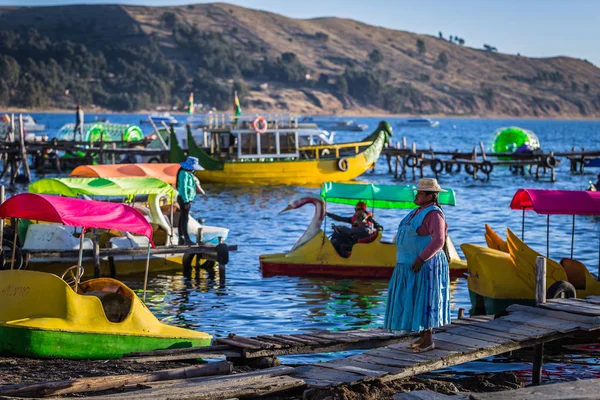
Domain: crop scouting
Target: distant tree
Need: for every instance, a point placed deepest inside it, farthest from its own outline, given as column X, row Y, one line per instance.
column 441, row 36
column 323, row 80
column 487, row 47
column 574, row 86
column 450, row 38
column 9, row 71
column 341, row 85
column 586, row 87
column 323, row 37
column 169, row 20
column 421, row 46
column 375, row 56
column 461, row 41
column 442, row 61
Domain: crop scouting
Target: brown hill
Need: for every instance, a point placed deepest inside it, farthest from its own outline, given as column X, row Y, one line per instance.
column 437, row 77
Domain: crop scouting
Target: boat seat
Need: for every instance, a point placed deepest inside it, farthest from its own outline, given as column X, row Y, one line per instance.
column 576, row 272
column 370, row 238
column 116, row 306
column 115, row 301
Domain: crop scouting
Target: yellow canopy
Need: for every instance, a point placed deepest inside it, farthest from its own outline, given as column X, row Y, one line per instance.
column 164, row 172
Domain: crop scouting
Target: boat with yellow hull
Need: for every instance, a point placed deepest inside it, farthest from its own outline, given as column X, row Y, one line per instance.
column 274, row 158
column 504, row 273
column 41, row 316
column 314, row 254
column 318, row 257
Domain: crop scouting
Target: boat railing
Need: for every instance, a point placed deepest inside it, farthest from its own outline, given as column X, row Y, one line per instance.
column 336, row 147
column 228, row 121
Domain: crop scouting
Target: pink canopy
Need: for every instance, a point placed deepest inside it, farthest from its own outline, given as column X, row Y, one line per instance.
column 76, row 212
column 568, row 202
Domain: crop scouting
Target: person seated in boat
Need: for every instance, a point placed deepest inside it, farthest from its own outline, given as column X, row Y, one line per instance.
column 188, row 186
column 344, row 236
column 361, row 229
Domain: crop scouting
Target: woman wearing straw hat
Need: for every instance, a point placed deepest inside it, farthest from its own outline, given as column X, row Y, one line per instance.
column 419, row 292
column 188, row 186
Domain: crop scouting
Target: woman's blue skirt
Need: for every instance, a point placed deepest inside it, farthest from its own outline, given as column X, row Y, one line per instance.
column 420, row 301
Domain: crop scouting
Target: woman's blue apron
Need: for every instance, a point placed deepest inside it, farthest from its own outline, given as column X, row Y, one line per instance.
column 417, row 301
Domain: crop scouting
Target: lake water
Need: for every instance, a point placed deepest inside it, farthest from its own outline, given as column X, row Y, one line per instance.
column 245, row 303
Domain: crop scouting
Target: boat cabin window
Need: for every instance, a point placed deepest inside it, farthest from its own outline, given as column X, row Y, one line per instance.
column 270, row 144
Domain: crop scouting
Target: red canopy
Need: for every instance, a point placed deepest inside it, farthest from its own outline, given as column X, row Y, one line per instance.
column 568, row 202
column 76, row 212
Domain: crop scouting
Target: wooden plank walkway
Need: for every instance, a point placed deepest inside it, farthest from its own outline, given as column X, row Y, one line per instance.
column 276, row 345
column 523, row 327
column 464, row 340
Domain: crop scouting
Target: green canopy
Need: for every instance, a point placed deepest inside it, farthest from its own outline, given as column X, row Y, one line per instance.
column 377, row 196
column 73, row 187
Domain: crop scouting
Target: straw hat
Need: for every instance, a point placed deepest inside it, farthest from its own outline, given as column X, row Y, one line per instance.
column 191, row 164
column 429, row 185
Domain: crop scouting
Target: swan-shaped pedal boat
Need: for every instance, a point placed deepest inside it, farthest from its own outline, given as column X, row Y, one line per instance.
column 314, row 254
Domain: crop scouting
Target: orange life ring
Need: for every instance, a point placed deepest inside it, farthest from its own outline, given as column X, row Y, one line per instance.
column 259, row 125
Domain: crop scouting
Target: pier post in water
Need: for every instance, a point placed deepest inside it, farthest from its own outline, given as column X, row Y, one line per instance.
column 540, row 298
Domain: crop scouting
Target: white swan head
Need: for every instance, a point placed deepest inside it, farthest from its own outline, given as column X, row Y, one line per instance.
column 315, row 223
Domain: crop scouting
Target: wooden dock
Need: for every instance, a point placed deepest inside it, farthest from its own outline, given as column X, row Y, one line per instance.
column 401, row 160
column 466, row 339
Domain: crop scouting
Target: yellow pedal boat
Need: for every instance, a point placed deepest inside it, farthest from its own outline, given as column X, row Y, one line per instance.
column 314, row 254
column 42, row 316
column 504, row 273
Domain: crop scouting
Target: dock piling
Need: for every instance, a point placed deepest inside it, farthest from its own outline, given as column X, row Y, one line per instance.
column 540, row 298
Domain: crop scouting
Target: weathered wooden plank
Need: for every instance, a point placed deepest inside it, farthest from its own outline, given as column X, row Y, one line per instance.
column 470, row 356
column 542, row 322
column 315, row 339
column 208, row 387
column 281, row 342
column 484, row 331
column 461, row 322
column 425, row 356
column 383, row 369
column 100, row 383
column 593, row 299
column 448, row 346
column 237, row 343
column 296, row 339
column 235, row 389
column 335, row 337
column 352, row 368
column 529, row 331
column 466, row 332
column 590, row 323
column 392, row 354
column 319, row 348
column 464, row 341
column 570, row 308
column 216, row 349
column 248, row 341
column 577, row 302
column 183, row 356
column 314, row 372
column 380, row 360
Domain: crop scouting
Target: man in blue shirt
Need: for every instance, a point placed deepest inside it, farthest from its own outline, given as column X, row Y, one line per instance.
column 188, row 186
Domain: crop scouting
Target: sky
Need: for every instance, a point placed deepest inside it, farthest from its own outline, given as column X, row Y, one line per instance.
column 533, row 28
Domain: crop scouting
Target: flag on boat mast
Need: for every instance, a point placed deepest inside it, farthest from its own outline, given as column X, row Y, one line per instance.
column 191, row 103
column 237, row 109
